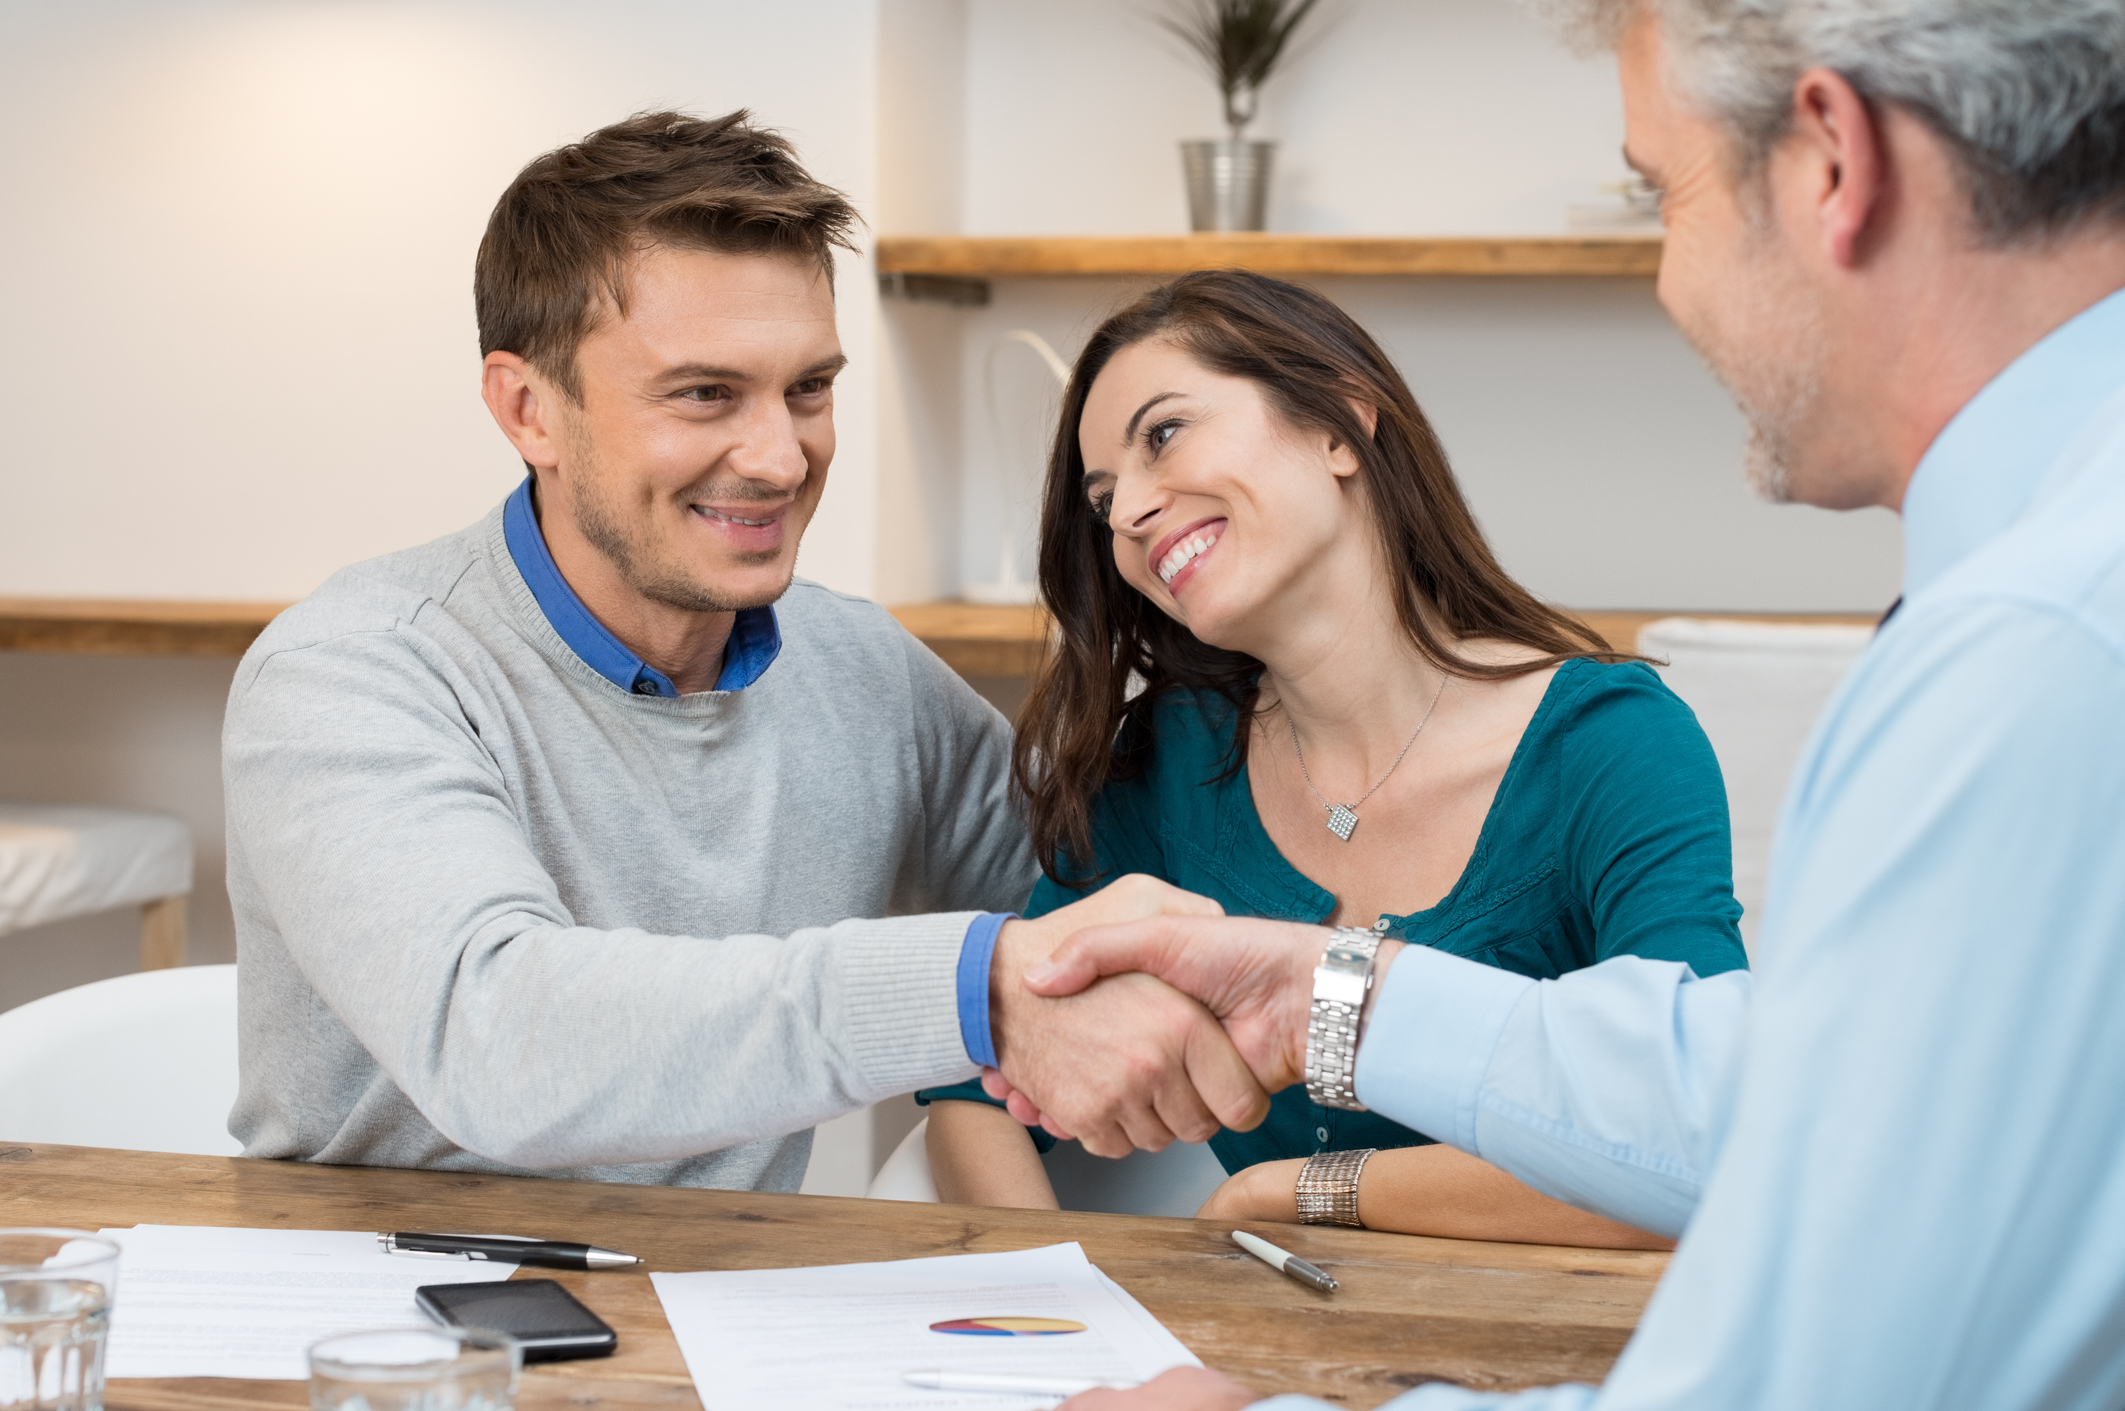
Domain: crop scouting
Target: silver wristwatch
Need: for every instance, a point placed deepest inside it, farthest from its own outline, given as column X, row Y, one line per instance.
column 1339, row 985
column 1328, row 1188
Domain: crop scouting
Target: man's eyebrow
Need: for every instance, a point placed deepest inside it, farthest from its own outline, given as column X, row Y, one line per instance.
column 704, row 372
column 825, row 366
column 1129, row 431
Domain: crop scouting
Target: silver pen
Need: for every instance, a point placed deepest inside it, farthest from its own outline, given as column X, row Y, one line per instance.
column 1285, row 1262
column 506, row 1249
column 941, row 1380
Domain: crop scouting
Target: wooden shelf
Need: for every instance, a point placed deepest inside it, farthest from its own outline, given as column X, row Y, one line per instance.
column 1012, row 641
column 973, row 640
column 112, row 626
column 977, row 641
column 996, row 256
column 1620, row 629
column 981, row 641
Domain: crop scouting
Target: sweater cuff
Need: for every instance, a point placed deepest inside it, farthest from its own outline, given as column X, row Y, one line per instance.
column 976, row 953
column 898, row 1015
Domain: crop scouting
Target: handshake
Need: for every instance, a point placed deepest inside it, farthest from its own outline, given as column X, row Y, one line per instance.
column 1143, row 1014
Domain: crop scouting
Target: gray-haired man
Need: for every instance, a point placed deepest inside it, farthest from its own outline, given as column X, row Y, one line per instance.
column 1896, row 228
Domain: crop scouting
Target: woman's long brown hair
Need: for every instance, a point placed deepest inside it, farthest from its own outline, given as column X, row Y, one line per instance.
column 1311, row 360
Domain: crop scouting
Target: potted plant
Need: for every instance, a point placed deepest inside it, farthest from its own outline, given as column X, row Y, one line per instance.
column 1240, row 42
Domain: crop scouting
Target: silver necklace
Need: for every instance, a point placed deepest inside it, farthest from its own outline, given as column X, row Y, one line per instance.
column 1343, row 817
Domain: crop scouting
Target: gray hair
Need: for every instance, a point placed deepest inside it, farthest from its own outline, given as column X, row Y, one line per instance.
column 2028, row 94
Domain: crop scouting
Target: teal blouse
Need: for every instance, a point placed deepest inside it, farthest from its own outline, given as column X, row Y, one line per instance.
column 1608, row 836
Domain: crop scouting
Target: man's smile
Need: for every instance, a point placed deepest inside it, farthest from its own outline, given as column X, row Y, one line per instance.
column 737, row 519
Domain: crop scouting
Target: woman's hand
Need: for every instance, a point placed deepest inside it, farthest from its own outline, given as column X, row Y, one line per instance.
column 1267, row 1191
column 1182, row 1389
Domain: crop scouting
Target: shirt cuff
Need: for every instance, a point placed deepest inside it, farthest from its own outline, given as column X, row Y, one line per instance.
column 1428, row 1045
column 975, row 953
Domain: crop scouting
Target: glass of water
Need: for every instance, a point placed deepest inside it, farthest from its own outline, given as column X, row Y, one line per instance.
column 415, row 1369
column 55, row 1314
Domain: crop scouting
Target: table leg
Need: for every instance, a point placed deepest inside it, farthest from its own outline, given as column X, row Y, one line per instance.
column 162, row 934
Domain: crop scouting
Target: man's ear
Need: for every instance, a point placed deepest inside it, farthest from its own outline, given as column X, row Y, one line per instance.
column 1844, row 169
column 1343, row 460
column 525, row 405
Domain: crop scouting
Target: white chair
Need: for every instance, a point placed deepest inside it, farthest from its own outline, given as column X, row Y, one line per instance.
column 1756, row 688
column 1175, row 1181
column 145, row 1062
column 59, row 862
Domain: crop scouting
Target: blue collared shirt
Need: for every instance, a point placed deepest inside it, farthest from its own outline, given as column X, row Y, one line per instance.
column 1902, row 1165
column 755, row 638
column 755, row 641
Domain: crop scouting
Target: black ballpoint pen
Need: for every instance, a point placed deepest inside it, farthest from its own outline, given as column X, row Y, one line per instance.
column 506, row 1249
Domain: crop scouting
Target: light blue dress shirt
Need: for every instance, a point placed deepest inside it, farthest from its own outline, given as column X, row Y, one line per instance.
column 1902, row 1165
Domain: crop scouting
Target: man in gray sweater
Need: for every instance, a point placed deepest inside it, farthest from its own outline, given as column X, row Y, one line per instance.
column 543, row 837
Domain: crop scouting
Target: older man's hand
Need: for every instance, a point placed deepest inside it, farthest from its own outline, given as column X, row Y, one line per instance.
column 1182, row 1389
column 1255, row 976
column 1127, row 1062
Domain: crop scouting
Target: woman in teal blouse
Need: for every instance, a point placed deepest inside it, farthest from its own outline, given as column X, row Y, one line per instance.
column 1349, row 715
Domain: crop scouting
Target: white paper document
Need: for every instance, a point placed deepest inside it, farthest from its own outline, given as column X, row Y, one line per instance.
column 200, row 1301
column 844, row 1336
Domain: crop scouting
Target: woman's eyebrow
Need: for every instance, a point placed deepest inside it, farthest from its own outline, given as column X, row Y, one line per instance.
column 1129, row 431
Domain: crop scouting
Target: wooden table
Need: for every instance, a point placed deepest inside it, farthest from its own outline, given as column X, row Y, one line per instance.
column 1411, row 1310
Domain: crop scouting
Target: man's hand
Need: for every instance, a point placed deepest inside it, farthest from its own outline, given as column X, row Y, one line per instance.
column 1182, row 1389
column 1126, row 1063
column 1256, row 976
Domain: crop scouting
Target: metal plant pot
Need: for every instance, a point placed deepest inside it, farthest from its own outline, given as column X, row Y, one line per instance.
column 1228, row 183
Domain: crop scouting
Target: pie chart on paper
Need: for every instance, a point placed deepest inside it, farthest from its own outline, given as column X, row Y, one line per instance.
column 1008, row 1327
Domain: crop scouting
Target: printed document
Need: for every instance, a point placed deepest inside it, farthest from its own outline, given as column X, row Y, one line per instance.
column 200, row 1301
column 844, row 1336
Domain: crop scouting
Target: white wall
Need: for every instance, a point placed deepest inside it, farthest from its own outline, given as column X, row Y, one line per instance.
column 1430, row 116
column 1599, row 455
column 236, row 266
column 240, row 344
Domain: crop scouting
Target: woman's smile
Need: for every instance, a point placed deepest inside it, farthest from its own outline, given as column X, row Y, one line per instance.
column 1175, row 558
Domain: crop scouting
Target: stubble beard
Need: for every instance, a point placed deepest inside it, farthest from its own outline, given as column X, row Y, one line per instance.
column 1766, row 348
column 599, row 517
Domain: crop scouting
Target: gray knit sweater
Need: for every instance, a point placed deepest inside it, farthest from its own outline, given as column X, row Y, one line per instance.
column 494, row 913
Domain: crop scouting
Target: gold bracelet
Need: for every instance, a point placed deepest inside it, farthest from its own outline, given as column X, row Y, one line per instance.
column 1328, row 1188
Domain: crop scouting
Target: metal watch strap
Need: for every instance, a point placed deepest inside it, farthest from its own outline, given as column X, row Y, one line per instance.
column 1340, row 982
column 1328, row 1188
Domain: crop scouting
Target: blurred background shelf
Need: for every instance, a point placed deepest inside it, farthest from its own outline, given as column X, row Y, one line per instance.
column 996, row 256
column 129, row 627
column 973, row 639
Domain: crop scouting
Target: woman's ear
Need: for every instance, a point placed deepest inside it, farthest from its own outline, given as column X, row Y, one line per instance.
column 1342, row 459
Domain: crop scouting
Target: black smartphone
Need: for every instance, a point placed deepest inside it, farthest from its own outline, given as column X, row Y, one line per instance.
column 538, row 1313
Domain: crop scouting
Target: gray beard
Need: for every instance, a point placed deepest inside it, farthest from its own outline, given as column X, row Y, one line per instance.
column 1767, row 456
column 1769, row 356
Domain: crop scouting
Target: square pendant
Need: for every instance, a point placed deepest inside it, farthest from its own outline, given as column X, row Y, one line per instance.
column 1342, row 822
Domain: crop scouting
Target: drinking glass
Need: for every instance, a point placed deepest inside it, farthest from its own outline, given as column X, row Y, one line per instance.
column 55, row 1314
column 415, row 1369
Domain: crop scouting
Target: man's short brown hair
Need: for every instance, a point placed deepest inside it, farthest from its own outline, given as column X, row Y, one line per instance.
column 558, row 244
